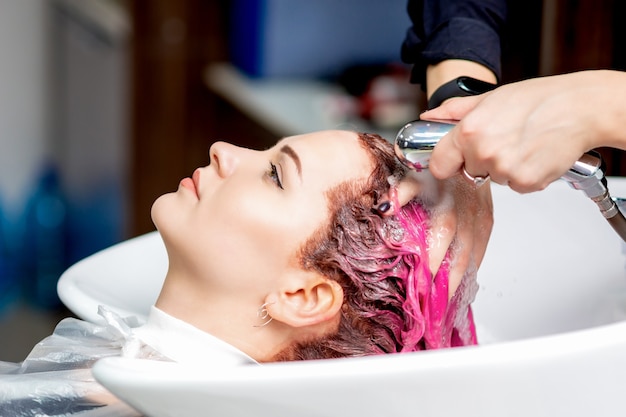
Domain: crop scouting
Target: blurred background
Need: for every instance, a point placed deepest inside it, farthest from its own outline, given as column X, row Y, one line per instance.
column 105, row 105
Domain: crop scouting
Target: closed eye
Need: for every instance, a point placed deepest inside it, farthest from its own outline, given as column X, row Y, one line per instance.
column 273, row 174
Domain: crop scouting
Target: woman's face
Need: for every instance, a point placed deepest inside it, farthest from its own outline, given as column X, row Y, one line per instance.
column 239, row 221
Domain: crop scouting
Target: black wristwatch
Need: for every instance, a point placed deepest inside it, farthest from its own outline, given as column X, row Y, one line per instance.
column 459, row 87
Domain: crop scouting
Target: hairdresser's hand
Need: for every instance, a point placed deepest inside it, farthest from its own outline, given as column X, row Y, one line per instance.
column 461, row 221
column 528, row 134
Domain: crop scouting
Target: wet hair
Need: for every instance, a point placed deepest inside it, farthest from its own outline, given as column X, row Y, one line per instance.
column 392, row 303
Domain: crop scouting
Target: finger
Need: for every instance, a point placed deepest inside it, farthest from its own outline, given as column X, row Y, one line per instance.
column 447, row 158
column 420, row 185
column 449, row 155
column 408, row 188
column 414, row 185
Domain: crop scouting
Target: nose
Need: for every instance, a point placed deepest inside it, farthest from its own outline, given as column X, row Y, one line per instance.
column 224, row 157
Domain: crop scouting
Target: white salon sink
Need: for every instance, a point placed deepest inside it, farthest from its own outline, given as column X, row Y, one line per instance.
column 550, row 314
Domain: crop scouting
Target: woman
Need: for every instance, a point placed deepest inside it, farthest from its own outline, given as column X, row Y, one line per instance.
column 281, row 255
column 302, row 241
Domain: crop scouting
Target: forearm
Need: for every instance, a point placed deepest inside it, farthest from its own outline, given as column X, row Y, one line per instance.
column 442, row 30
column 590, row 106
column 607, row 108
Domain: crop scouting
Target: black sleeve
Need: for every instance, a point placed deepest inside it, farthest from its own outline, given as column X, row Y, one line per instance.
column 448, row 29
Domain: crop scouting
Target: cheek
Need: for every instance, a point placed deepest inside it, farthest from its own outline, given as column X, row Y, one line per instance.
column 254, row 226
column 263, row 232
column 244, row 248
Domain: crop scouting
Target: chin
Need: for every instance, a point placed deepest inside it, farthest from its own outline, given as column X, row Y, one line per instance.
column 161, row 211
column 155, row 210
column 169, row 216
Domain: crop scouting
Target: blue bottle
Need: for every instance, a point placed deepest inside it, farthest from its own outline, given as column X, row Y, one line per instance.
column 45, row 252
column 8, row 284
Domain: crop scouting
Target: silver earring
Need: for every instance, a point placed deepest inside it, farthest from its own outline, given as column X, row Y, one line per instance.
column 264, row 315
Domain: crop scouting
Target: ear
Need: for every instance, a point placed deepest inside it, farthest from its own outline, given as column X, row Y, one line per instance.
column 307, row 299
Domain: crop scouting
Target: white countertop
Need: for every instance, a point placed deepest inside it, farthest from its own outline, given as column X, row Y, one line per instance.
column 286, row 106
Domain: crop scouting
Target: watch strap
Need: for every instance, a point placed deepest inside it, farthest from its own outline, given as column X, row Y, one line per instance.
column 459, row 87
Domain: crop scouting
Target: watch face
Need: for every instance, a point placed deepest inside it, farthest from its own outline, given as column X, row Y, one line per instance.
column 473, row 86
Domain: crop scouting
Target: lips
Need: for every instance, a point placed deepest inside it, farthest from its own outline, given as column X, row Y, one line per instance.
column 193, row 183
column 196, row 180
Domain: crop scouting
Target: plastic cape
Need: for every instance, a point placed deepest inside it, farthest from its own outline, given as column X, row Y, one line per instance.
column 56, row 380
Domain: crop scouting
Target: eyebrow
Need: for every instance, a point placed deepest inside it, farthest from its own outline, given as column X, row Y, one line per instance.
column 288, row 150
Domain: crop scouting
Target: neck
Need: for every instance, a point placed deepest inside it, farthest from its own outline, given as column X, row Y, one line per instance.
column 230, row 318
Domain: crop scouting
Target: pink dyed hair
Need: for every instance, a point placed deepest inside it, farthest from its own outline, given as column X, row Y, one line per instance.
column 392, row 303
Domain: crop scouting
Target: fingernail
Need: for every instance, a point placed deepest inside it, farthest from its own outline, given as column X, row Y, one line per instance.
column 384, row 207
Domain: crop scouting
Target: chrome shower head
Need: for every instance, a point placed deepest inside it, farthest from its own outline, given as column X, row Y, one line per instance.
column 416, row 141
